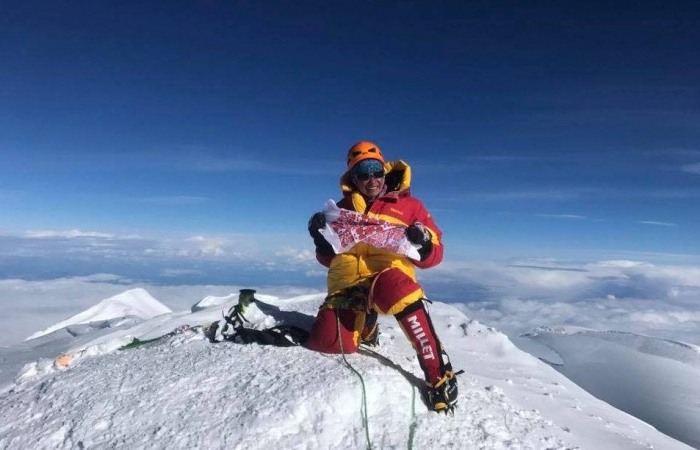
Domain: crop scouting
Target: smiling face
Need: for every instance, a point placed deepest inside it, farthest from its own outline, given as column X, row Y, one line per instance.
column 368, row 177
column 370, row 185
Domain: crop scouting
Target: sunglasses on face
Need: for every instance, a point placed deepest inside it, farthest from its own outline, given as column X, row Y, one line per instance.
column 366, row 176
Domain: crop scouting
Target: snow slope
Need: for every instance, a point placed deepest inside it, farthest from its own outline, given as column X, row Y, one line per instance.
column 136, row 303
column 184, row 392
column 212, row 300
column 653, row 379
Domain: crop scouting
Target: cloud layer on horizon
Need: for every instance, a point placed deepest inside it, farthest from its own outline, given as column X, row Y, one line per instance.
column 626, row 293
column 55, row 253
column 30, row 306
column 622, row 295
column 514, row 296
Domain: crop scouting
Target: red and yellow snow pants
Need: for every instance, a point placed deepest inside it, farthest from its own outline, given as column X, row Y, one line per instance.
column 340, row 328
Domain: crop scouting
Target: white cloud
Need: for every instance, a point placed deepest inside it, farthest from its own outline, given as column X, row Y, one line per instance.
column 68, row 234
column 661, row 224
column 659, row 300
column 622, row 264
column 296, row 255
column 315, row 273
column 206, row 246
column 563, row 216
column 174, row 273
column 59, row 248
column 661, row 317
column 691, row 168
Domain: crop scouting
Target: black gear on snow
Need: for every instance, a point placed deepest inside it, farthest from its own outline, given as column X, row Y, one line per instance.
column 279, row 336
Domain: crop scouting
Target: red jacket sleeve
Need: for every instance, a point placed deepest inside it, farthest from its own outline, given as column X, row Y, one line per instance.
column 423, row 216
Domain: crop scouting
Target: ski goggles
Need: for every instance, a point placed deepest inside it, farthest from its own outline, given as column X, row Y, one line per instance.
column 366, row 176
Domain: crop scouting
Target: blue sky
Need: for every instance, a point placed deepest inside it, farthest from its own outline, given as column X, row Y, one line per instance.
column 191, row 141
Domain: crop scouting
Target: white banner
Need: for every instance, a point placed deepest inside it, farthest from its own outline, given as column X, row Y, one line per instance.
column 345, row 228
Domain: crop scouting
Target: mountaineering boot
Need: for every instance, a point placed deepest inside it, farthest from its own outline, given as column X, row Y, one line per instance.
column 439, row 375
column 245, row 298
column 235, row 316
column 370, row 332
column 233, row 320
column 442, row 396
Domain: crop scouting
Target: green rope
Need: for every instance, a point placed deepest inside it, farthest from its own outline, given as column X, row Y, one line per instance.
column 414, row 422
column 363, row 409
column 412, row 427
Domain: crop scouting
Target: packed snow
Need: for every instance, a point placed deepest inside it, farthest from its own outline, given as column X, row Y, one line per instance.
column 181, row 391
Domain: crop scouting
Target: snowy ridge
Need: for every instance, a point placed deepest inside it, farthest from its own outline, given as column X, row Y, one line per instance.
column 136, row 303
column 646, row 344
column 211, row 301
column 184, row 392
column 654, row 379
column 665, row 348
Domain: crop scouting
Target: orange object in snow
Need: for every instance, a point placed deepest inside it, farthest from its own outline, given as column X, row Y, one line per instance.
column 64, row 361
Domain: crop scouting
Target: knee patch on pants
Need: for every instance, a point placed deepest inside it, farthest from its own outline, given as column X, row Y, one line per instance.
column 392, row 291
column 324, row 336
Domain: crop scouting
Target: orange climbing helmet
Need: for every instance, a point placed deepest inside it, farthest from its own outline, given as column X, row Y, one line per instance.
column 363, row 150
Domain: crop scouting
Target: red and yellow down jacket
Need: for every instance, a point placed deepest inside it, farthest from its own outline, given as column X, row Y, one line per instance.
column 396, row 206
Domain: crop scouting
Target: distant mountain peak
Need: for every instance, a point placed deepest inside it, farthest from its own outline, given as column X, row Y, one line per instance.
column 136, row 302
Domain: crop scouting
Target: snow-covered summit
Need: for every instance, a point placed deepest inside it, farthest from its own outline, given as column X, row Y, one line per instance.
column 134, row 303
column 182, row 391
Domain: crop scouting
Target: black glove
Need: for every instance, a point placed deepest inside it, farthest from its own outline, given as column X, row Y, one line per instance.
column 419, row 235
column 316, row 222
